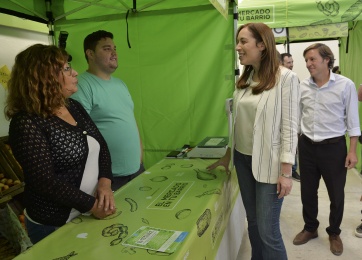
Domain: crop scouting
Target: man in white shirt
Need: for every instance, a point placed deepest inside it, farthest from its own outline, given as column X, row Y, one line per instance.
column 329, row 110
column 287, row 61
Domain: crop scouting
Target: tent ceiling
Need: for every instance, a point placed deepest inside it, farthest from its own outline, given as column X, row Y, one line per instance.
column 76, row 10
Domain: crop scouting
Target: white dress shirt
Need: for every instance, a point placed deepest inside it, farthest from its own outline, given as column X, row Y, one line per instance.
column 330, row 110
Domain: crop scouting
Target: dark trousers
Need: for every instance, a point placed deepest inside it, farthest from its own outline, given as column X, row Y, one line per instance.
column 118, row 182
column 327, row 161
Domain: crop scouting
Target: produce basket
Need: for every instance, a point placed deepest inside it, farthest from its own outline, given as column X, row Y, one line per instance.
column 11, row 174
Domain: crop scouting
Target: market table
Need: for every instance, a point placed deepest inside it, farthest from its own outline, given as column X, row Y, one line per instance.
column 176, row 209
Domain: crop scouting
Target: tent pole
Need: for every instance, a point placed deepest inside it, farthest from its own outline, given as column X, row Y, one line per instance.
column 288, row 45
column 236, row 17
column 134, row 9
column 49, row 14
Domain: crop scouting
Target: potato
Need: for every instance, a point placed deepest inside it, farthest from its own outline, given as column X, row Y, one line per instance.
column 22, row 218
column 9, row 182
column 5, row 187
column 4, row 180
column 2, row 175
column 16, row 182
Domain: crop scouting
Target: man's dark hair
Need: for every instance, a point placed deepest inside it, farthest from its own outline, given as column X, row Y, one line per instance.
column 336, row 70
column 90, row 42
column 285, row 55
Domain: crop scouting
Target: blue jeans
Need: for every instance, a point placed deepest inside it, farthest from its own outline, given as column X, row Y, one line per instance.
column 37, row 232
column 262, row 208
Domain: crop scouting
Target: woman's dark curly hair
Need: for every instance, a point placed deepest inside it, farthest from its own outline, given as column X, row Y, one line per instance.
column 34, row 85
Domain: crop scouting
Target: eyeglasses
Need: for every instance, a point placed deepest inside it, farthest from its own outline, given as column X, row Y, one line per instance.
column 68, row 70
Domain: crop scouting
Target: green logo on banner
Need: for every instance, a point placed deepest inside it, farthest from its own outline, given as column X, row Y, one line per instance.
column 262, row 14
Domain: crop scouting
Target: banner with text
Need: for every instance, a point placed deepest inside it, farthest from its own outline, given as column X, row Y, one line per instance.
column 282, row 13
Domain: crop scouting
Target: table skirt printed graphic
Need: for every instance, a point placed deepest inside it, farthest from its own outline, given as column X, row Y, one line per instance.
column 175, row 210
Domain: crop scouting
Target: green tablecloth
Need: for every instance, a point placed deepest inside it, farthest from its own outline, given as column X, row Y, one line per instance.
column 173, row 195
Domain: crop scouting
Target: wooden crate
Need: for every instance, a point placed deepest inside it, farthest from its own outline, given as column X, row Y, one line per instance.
column 11, row 169
column 6, row 153
column 12, row 190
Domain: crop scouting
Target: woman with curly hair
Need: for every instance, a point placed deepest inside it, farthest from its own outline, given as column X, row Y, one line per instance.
column 66, row 162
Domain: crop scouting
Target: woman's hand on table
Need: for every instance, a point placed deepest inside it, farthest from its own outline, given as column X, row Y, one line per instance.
column 223, row 161
column 100, row 212
column 104, row 194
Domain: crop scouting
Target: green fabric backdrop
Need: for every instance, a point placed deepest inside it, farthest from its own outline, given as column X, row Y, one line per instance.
column 350, row 65
column 180, row 67
column 179, row 71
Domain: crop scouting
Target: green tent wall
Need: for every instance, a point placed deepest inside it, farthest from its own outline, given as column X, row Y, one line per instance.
column 179, row 67
column 350, row 65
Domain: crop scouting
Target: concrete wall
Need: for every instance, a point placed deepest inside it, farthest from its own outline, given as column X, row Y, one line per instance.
column 296, row 49
column 13, row 39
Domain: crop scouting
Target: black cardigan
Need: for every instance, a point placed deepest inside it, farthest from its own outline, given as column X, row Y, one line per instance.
column 53, row 155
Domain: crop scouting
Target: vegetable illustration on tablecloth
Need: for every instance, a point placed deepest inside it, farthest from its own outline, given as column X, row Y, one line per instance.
column 205, row 175
column 71, row 254
column 144, row 220
column 77, row 220
column 145, row 188
column 216, row 230
column 210, row 192
column 113, row 215
column 167, row 166
column 159, row 179
column 119, row 230
column 132, row 203
column 182, row 214
column 188, row 165
column 203, row 222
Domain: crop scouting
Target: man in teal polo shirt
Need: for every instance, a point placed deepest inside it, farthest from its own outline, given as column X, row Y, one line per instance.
column 110, row 105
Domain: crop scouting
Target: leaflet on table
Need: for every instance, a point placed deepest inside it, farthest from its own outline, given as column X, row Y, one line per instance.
column 214, row 142
column 156, row 239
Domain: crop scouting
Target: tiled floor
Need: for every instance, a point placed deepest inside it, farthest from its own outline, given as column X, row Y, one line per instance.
column 318, row 249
